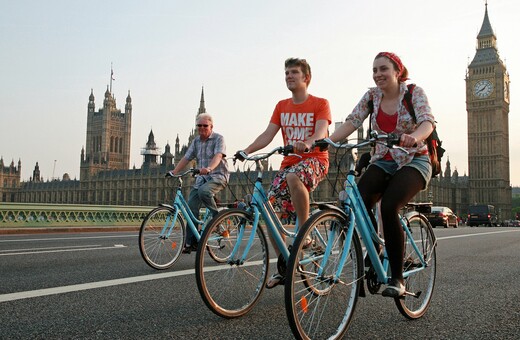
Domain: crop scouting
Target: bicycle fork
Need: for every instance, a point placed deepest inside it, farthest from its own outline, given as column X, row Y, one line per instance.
column 168, row 225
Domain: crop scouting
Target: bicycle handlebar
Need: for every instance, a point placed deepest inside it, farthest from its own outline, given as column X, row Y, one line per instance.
column 192, row 171
column 283, row 150
column 391, row 140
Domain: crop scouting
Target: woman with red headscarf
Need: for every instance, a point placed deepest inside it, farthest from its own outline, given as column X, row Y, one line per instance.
column 393, row 176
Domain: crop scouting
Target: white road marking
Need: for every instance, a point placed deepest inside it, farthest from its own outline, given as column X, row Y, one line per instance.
column 109, row 283
column 7, row 240
column 99, row 284
column 61, row 250
column 48, row 248
column 479, row 234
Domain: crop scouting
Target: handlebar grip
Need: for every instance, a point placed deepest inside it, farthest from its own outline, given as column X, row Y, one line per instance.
column 321, row 144
column 168, row 174
column 240, row 155
column 287, row 150
column 393, row 139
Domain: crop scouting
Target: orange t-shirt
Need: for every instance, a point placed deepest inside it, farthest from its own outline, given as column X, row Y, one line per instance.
column 298, row 122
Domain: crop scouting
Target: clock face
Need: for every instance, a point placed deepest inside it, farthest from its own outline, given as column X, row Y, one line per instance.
column 483, row 88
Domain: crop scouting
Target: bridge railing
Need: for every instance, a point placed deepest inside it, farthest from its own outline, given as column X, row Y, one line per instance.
column 14, row 215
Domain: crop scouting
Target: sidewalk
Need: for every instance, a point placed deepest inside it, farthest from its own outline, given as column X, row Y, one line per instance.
column 67, row 229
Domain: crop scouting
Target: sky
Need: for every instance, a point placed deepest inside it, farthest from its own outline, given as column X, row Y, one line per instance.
column 52, row 53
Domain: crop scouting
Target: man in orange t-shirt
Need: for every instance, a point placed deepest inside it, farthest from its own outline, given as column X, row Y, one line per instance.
column 303, row 119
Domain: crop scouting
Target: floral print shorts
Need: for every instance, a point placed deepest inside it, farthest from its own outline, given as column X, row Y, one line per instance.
column 310, row 171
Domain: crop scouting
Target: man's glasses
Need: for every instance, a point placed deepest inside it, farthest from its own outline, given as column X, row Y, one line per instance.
column 202, row 125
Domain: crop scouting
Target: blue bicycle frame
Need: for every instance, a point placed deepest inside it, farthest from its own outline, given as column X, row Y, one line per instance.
column 261, row 207
column 180, row 206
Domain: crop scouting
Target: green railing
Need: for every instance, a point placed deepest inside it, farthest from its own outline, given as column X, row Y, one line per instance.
column 14, row 215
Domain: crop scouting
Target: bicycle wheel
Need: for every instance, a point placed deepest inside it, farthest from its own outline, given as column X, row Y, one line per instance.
column 161, row 238
column 321, row 305
column 231, row 288
column 422, row 280
column 221, row 243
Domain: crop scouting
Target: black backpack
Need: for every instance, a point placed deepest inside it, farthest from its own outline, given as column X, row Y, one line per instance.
column 433, row 142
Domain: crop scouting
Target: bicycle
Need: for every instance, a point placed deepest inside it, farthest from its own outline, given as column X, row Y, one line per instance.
column 323, row 283
column 230, row 289
column 163, row 231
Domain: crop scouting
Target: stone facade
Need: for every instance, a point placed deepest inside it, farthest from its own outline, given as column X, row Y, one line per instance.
column 9, row 180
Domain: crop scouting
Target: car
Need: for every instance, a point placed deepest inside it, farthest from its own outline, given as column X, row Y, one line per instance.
column 442, row 216
column 515, row 223
column 482, row 214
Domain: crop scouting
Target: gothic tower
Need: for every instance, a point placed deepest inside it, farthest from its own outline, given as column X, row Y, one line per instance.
column 150, row 152
column 487, row 105
column 108, row 136
column 202, row 109
column 202, row 106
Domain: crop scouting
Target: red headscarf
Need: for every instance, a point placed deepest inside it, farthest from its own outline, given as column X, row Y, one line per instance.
column 397, row 61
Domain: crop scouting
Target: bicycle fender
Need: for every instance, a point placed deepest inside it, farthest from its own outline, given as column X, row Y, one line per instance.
column 323, row 206
column 165, row 205
column 410, row 214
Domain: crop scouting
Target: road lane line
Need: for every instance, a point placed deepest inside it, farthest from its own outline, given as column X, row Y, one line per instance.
column 478, row 234
column 62, row 250
column 102, row 284
column 135, row 279
column 63, row 238
column 49, row 248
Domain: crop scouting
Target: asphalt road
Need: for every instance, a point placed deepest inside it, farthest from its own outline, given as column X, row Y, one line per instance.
column 96, row 286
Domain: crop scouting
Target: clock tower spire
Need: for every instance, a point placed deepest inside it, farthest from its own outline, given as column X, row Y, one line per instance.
column 487, row 105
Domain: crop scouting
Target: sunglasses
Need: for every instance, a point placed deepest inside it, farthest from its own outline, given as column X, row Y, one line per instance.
column 202, row 125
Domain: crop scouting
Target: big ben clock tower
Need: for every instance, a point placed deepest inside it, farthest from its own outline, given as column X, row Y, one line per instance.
column 487, row 104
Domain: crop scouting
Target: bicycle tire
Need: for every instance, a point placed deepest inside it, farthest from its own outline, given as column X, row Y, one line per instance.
column 159, row 251
column 323, row 309
column 421, row 282
column 230, row 289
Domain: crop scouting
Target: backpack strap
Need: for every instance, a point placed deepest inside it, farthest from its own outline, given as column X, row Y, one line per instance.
column 370, row 105
column 407, row 101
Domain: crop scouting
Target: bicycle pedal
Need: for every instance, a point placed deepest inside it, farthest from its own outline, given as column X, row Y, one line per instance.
column 415, row 295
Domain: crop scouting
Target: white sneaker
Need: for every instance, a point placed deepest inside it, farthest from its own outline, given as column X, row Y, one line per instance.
column 308, row 242
column 394, row 289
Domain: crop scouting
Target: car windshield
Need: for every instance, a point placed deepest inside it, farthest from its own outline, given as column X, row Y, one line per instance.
column 479, row 209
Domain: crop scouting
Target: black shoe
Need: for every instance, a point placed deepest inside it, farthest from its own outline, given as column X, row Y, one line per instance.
column 394, row 289
column 187, row 250
column 194, row 246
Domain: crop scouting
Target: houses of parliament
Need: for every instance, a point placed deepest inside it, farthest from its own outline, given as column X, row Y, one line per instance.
column 106, row 178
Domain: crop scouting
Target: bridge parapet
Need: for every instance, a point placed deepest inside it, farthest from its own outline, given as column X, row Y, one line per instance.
column 41, row 215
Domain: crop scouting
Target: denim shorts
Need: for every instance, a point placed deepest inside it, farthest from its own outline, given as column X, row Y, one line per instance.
column 420, row 163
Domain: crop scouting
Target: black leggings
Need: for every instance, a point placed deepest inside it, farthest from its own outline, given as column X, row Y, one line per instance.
column 394, row 192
